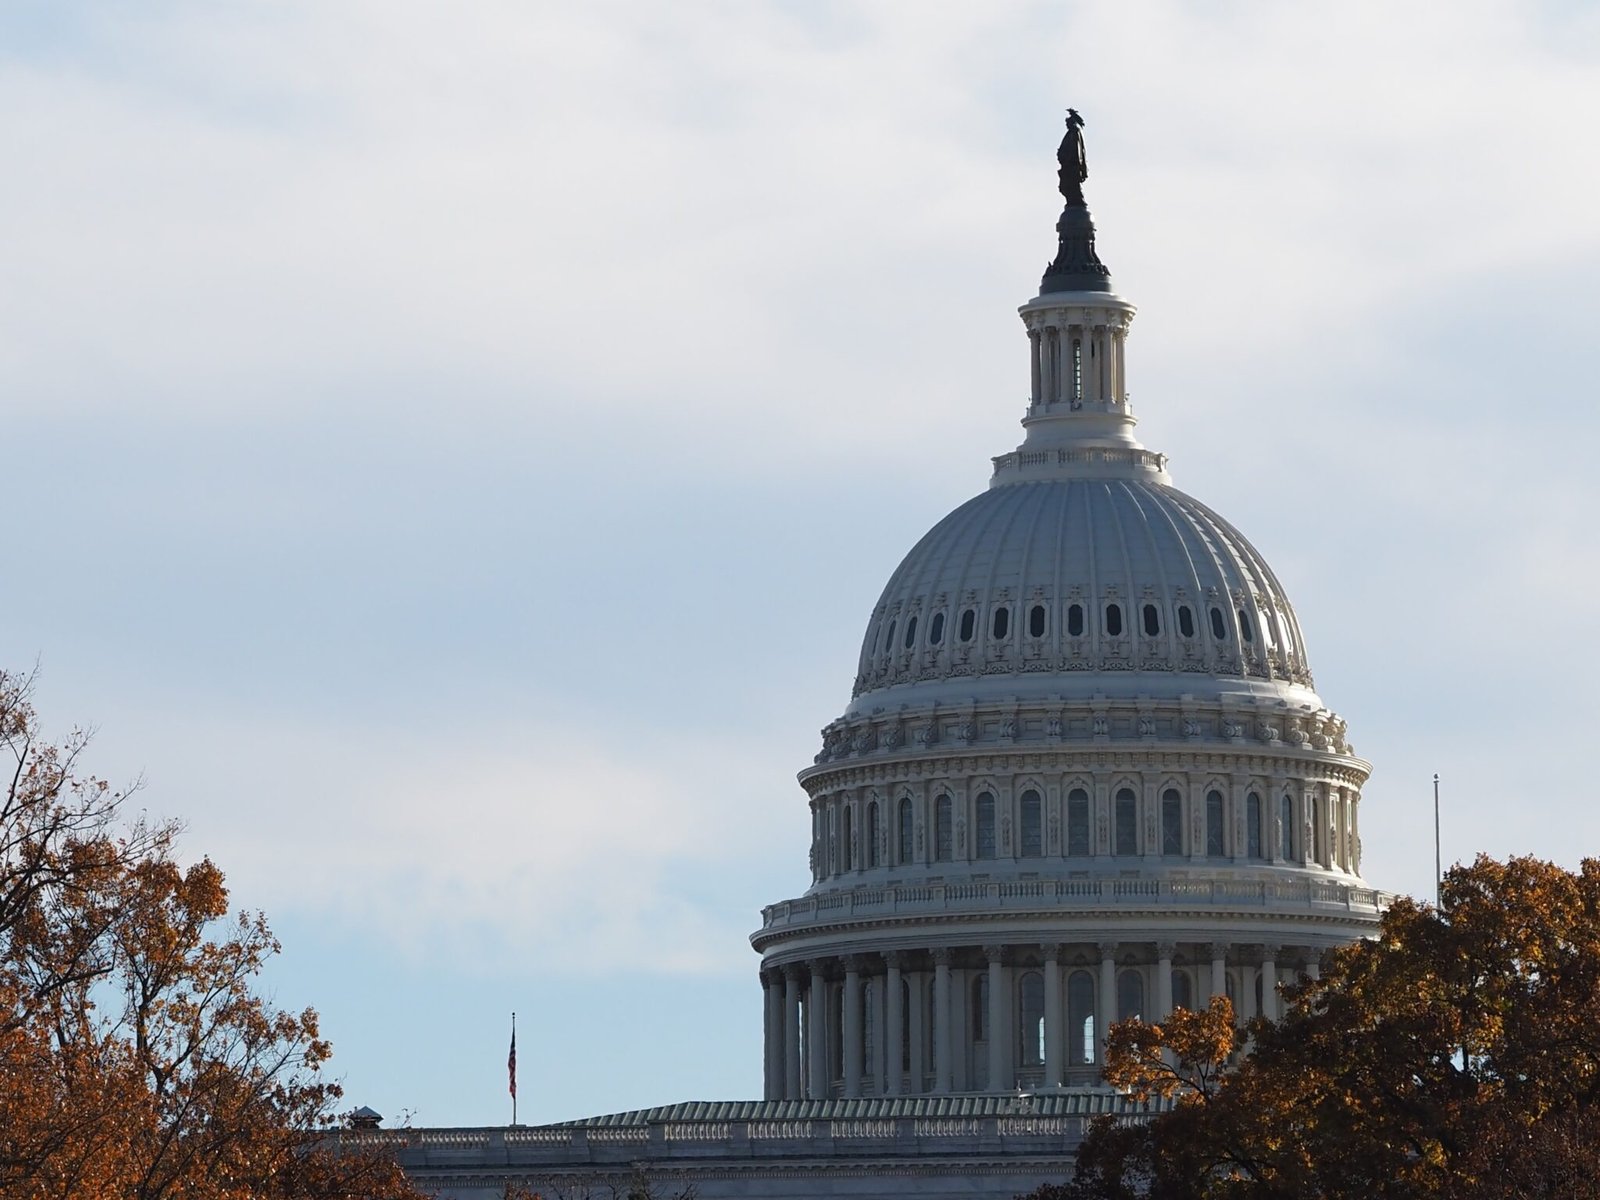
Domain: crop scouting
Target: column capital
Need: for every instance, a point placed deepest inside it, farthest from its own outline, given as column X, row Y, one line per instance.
column 1166, row 950
column 1218, row 950
column 771, row 977
column 895, row 960
column 995, row 954
column 1269, row 950
column 817, row 966
column 1108, row 950
column 943, row 957
column 1051, row 951
column 793, row 972
column 855, row 964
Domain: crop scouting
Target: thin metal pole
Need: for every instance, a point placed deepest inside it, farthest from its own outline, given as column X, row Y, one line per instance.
column 1439, row 871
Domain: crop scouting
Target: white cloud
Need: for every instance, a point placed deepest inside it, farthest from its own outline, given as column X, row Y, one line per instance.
column 466, row 845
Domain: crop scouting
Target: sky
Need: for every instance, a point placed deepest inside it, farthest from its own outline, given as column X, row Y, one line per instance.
column 453, row 450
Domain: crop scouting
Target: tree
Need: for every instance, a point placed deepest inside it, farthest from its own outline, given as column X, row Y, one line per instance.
column 1457, row 1055
column 135, row 1059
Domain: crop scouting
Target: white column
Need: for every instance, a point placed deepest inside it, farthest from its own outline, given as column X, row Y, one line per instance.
column 1053, row 1017
column 791, row 1033
column 817, row 1036
column 1036, row 347
column 1119, row 367
column 1219, row 969
column 941, row 1021
column 1269, row 982
column 1054, row 351
column 880, row 1045
column 1108, row 995
column 1109, row 357
column 893, row 1026
column 772, row 1028
column 999, row 1007
column 1163, row 981
column 919, row 1031
column 851, row 1022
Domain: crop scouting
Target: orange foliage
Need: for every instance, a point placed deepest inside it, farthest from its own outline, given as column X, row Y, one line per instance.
column 135, row 1060
column 1455, row 1055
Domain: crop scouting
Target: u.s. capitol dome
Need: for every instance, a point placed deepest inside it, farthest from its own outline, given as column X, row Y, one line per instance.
column 1083, row 773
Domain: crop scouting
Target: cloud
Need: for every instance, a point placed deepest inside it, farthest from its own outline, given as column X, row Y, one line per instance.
column 350, row 340
column 465, row 845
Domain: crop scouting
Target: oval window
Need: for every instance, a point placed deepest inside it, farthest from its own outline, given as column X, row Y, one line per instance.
column 969, row 622
column 1244, row 626
column 1218, row 629
column 1185, row 621
column 888, row 642
column 1075, row 620
column 936, row 629
column 911, row 633
column 1036, row 621
column 1002, row 622
column 1114, row 620
column 1152, row 621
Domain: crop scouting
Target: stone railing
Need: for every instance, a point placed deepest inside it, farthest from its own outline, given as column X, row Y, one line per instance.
column 1087, row 895
column 420, row 1151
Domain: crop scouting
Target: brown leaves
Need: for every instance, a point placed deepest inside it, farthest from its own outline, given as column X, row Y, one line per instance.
column 1182, row 1057
column 135, row 1059
column 1455, row 1055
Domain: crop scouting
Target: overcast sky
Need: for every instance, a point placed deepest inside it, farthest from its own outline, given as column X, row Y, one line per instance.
column 453, row 450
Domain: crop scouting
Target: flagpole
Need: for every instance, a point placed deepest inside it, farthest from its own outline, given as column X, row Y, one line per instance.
column 1439, row 869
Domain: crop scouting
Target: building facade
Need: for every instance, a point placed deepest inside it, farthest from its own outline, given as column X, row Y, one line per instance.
column 1083, row 775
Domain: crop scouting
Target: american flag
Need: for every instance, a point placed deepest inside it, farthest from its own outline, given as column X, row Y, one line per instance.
column 511, row 1061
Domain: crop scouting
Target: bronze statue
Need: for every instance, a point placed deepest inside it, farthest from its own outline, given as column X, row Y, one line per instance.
column 1074, row 166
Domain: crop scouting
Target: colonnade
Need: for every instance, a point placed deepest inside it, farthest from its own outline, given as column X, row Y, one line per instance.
column 991, row 1018
column 1079, row 364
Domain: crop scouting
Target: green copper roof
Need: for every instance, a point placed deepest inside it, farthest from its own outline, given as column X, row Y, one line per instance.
column 1064, row 1103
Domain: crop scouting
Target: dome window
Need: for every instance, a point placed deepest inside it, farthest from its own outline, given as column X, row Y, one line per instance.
column 1126, row 813
column 1152, row 621
column 888, row 641
column 1036, row 621
column 983, row 834
column 1252, row 825
column 1001, row 624
column 936, row 629
column 1185, row 620
column 1182, row 990
column 1171, row 823
column 941, row 829
column 1030, row 1030
column 969, row 625
column 1130, row 995
column 1244, row 626
column 1081, row 1040
column 1032, row 839
column 1214, row 827
column 1114, row 620
column 1078, row 823
column 1218, row 629
column 1074, row 620
column 911, row 633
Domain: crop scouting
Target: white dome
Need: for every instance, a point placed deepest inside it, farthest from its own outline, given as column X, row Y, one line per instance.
column 1083, row 772
column 1079, row 586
